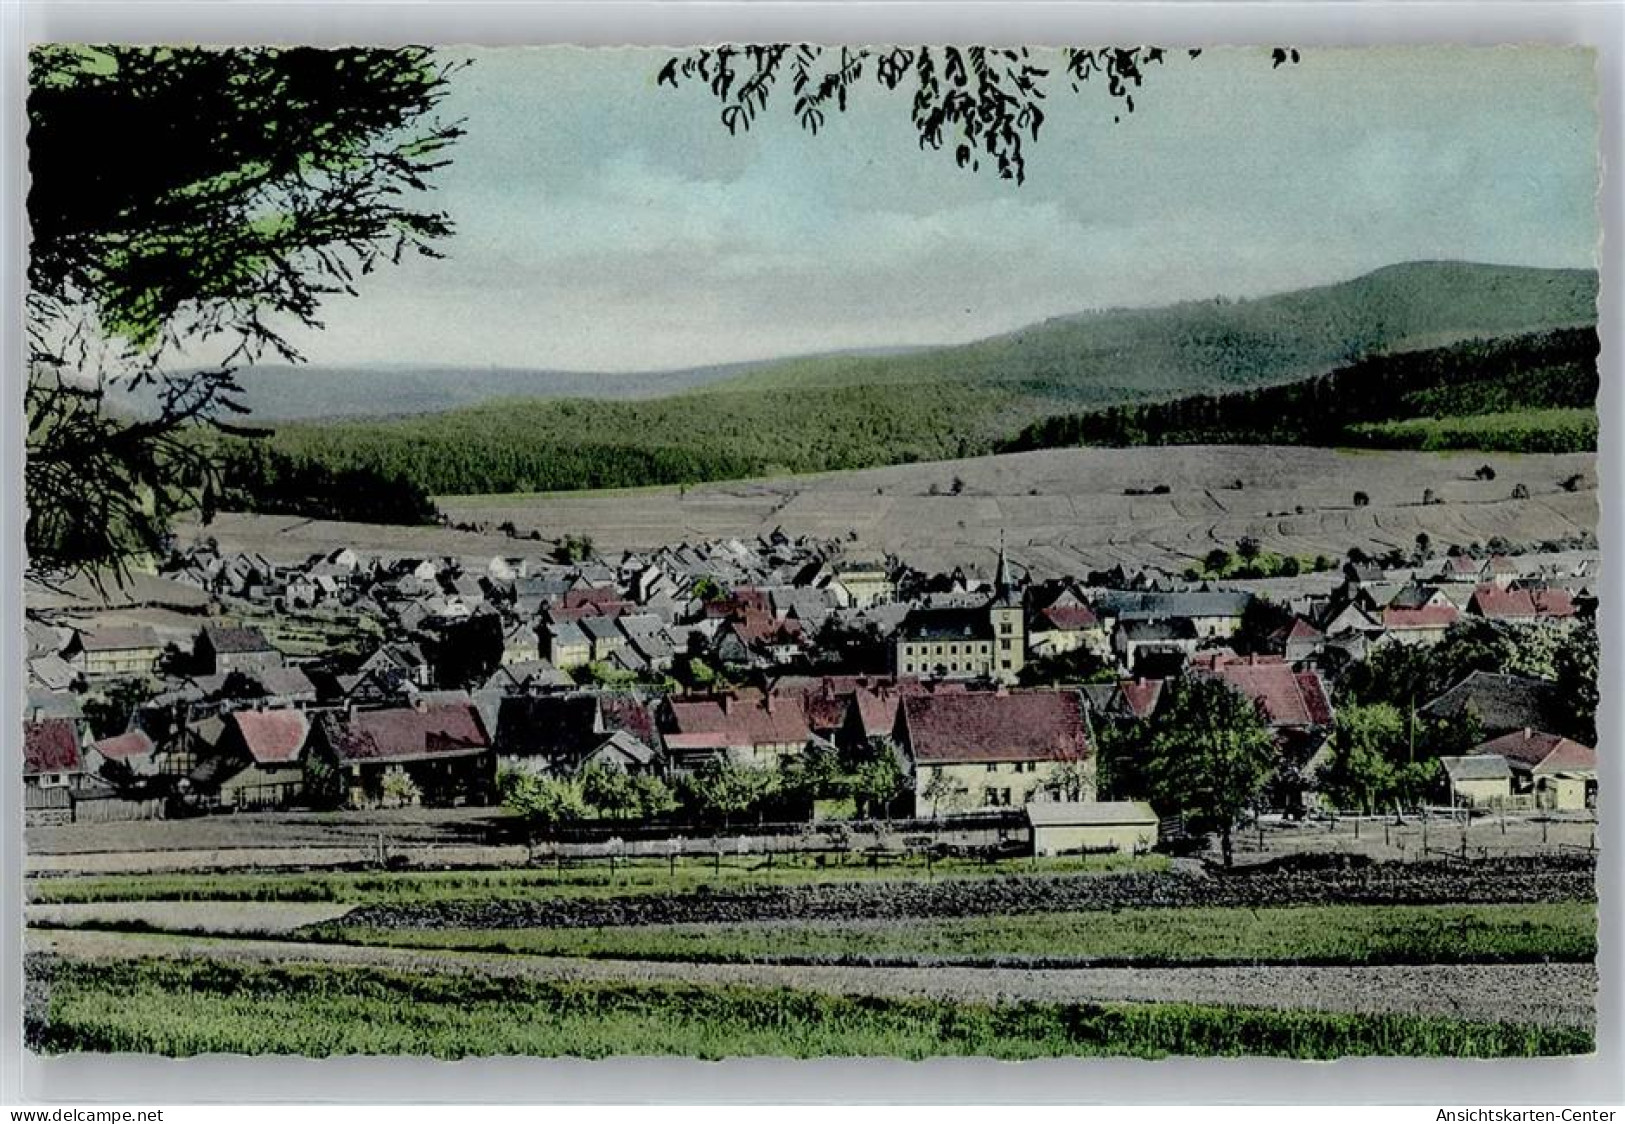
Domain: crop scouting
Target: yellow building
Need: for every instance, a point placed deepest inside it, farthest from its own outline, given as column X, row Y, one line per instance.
column 1482, row 780
column 984, row 643
column 995, row 749
column 862, row 585
column 132, row 651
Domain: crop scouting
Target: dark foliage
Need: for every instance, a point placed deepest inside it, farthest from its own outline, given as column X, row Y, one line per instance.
column 985, row 103
column 253, row 476
column 1541, row 371
column 192, row 202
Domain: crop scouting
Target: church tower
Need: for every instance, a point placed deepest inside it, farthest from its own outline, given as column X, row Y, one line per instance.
column 1009, row 623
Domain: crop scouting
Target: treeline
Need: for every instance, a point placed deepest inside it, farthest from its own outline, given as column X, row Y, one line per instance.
column 1510, row 377
column 254, row 476
column 1523, row 431
column 556, row 445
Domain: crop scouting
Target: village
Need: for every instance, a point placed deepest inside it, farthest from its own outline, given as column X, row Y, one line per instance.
column 776, row 680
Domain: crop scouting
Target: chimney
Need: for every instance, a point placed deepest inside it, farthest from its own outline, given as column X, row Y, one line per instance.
column 727, row 702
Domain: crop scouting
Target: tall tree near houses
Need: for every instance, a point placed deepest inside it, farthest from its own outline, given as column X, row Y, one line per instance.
column 1209, row 757
column 189, row 207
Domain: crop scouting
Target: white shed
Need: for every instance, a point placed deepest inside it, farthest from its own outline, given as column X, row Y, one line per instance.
column 1080, row 827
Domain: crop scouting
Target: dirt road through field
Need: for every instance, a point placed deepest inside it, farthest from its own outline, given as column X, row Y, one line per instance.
column 1548, row 994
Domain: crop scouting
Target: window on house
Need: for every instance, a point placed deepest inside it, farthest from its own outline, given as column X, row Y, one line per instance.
column 1005, row 664
column 1004, row 645
column 990, row 797
column 1006, row 627
column 1004, row 797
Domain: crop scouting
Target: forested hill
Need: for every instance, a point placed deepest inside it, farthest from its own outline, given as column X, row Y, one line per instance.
column 1531, row 393
column 1508, row 353
column 1220, row 344
column 1080, row 360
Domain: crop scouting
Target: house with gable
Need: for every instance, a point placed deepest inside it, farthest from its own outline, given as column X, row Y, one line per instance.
column 745, row 727
column 52, row 756
column 442, row 748
column 993, row 749
column 221, row 650
column 1499, row 703
column 1066, row 624
column 1426, row 625
column 1560, row 773
column 257, row 760
column 110, row 652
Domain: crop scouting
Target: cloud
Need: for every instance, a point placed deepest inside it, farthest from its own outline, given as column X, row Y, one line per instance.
column 605, row 224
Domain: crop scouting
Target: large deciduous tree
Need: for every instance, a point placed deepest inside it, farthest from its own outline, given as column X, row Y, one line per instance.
column 1209, row 757
column 189, row 208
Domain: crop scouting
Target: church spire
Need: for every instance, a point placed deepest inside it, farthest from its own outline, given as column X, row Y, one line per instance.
column 1004, row 589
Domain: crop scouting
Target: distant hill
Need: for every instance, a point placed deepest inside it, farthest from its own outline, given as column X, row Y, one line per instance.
column 851, row 411
column 282, row 393
column 1110, row 356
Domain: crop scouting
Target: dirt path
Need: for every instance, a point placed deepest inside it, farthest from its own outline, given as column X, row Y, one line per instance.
column 1549, row 994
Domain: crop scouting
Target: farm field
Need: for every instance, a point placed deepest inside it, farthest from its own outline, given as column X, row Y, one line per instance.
column 1063, row 510
column 1491, row 958
column 267, row 1000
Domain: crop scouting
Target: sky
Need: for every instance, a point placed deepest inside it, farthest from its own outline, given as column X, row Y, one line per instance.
column 607, row 224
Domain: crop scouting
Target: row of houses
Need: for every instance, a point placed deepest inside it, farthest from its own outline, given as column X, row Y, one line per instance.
column 236, row 723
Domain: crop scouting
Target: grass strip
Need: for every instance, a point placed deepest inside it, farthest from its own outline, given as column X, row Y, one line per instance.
column 184, row 1008
column 1424, row 934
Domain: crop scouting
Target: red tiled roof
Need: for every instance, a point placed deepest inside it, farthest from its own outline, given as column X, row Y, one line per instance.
column 122, row 747
column 747, row 718
column 987, row 726
column 1553, row 602
column 827, row 699
column 755, row 626
column 1287, row 698
column 825, row 711
column 1429, row 616
column 1463, row 564
column 590, row 598
column 1501, row 604
column 272, row 737
column 407, row 733
column 745, row 599
column 1542, row 752
column 1074, row 618
column 50, row 745
column 561, row 613
column 631, row 714
column 1501, row 564
column 1303, row 630
column 877, row 709
column 1141, row 695
column 1316, row 699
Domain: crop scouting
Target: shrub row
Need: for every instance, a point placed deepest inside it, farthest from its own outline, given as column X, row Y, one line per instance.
column 1489, row 881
